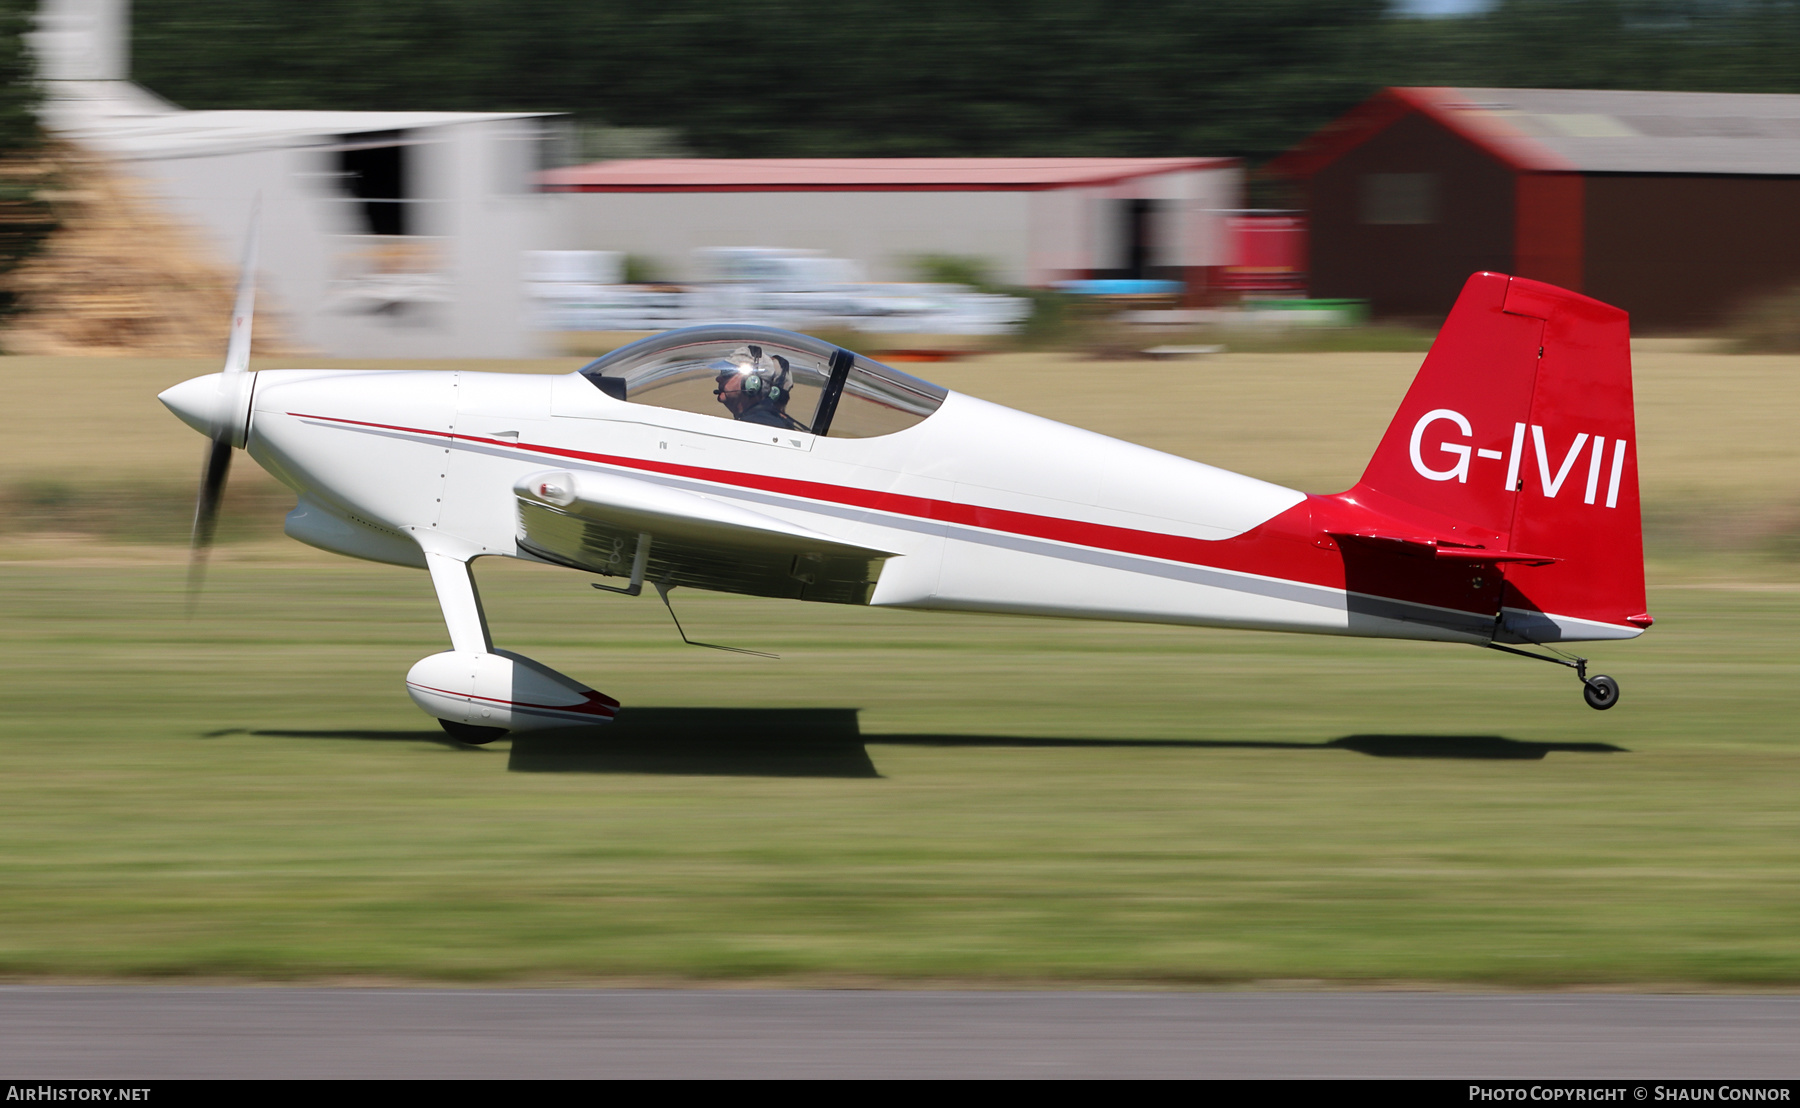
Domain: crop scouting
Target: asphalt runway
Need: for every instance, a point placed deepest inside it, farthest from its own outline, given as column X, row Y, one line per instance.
column 153, row 1032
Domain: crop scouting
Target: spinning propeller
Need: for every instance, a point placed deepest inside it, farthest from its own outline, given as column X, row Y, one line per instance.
column 224, row 415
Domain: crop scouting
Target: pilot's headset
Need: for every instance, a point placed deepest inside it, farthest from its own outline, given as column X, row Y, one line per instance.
column 771, row 383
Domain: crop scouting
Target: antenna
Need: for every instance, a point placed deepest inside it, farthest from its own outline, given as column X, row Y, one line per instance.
column 662, row 590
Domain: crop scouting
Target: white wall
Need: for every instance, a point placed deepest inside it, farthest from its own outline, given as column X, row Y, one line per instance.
column 82, row 40
column 882, row 230
column 1206, row 198
column 1031, row 238
column 1190, row 217
column 477, row 218
column 1063, row 235
column 213, row 195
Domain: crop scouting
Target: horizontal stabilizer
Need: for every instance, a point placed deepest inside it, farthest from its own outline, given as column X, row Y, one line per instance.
column 1417, row 546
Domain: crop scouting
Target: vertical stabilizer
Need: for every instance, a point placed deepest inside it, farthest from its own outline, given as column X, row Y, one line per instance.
column 1518, row 435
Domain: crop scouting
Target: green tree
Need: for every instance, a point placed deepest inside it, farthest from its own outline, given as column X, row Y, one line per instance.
column 26, row 219
column 19, row 96
column 797, row 77
column 940, row 77
column 1690, row 45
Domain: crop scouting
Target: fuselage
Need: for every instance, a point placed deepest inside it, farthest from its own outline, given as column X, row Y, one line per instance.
column 985, row 507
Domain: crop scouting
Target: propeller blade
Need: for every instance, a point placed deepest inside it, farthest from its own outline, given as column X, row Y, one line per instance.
column 233, row 381
column 206, row 515
column 237, row 351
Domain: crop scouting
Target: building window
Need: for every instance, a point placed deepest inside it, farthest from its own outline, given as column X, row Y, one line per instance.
column 1137, row 224
column 1399, row 198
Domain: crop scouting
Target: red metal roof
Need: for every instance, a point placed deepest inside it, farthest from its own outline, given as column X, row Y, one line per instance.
column 1582, row 130
column 1444, row 106
column 862, row 174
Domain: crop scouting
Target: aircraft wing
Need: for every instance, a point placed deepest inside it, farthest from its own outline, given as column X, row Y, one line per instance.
column 596, row 522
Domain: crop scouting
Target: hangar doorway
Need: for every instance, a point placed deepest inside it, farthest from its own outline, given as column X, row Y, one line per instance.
column 373, row 171
column 1134, row 243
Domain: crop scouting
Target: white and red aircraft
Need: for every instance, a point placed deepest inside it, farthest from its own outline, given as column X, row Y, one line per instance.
column 1500, row 509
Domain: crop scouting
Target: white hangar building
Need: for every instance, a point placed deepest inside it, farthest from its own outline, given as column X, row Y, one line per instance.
column 383, row 234
column 1035, row 220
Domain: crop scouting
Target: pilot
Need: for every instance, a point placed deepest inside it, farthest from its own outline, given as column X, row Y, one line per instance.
column 755, row 392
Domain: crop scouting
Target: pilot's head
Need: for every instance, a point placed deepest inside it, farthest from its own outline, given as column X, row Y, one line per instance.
column 747, row 378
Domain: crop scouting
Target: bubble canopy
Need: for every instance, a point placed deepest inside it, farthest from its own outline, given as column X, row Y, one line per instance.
column 766, row 375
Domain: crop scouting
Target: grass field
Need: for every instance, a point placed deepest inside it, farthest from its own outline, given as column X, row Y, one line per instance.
column 902, row 798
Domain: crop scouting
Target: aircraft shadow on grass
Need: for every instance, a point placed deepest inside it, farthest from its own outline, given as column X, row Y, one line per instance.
column 828, row 742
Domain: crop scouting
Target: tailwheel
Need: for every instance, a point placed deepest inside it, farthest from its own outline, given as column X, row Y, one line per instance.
column 1601, row 692
column 476, row 736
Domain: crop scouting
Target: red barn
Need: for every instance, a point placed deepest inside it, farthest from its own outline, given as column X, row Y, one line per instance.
column 1676, row 206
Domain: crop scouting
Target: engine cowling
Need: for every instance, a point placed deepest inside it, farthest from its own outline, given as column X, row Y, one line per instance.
column 506, row 690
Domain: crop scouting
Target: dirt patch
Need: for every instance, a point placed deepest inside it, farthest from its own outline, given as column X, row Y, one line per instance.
column 119, row 275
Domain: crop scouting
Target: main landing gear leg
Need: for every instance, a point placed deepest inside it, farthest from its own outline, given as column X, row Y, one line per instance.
column 461, row 603
column 479, row 693
column 1600, row 691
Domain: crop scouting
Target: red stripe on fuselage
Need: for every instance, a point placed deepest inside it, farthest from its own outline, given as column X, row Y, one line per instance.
column 1286, row 547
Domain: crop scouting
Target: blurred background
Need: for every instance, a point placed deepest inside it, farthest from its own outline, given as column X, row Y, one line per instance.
column 469, row 178
column 1049, row 183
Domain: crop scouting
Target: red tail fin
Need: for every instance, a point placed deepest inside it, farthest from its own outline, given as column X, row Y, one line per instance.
column 1517, row 435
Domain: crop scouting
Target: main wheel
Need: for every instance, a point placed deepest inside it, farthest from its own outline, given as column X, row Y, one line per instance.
column 473, row 735
column 1601, row 692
